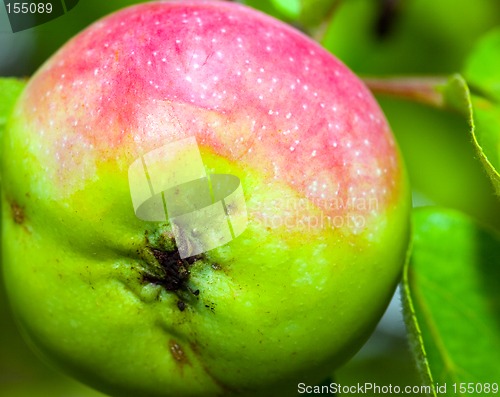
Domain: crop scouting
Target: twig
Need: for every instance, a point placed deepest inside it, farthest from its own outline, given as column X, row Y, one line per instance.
column 426, row 90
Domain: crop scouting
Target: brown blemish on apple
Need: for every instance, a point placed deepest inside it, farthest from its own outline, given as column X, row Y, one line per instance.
column 18, row 213
column 178, row 353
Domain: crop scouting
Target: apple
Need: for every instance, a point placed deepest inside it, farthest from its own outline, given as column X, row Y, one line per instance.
column 297, row 156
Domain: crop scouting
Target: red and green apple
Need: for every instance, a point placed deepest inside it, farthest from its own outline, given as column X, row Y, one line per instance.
column 107, row 296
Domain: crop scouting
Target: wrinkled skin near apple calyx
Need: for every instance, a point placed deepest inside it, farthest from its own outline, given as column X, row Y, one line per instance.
column 106, row 297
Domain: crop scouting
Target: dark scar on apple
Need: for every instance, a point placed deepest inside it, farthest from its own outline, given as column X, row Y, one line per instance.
column 174, row 273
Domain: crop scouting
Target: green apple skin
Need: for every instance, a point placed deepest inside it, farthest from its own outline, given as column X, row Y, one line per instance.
column 291, row 298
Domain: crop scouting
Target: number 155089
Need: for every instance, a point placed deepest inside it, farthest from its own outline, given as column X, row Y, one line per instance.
column 29, row 8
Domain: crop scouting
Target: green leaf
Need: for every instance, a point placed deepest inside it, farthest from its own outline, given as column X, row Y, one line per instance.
column 482, row 73
column 451, row 299
column 10, row 88
column 486, row 132
column 478, row 105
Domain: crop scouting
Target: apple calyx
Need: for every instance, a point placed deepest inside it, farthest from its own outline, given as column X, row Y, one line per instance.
column 166, row 268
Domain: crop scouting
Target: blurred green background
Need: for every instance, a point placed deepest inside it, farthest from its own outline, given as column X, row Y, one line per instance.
column 374, row 38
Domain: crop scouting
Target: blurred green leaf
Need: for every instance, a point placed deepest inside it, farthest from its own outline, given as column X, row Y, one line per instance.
column 482, row 69
column 308, row 14
column 420, row 36
column 290, row 8
column 278, row 9
column 314, row 12
column 10, row 88
column 452, row 299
